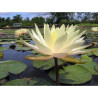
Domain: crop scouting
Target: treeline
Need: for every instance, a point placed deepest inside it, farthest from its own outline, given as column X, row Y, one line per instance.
column 55, row 18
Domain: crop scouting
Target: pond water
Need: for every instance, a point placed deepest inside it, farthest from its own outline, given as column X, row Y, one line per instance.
column 12, row 54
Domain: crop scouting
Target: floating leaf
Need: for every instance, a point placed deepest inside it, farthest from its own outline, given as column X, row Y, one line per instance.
column 0, row 40
column 5, row 43
column 95, row 52
column 72, row 75
column 91, row 66
column 25, row 82
column 13, row 67
column 45, row 65
column 34, row 52
column 3, row 74
column 2, row 81
column 1, row 55
column 72, row 59
column 3, row 48
column 89, row 53
column 42, row 81
column 23, row 48
column 19, row 82
column 85, row 58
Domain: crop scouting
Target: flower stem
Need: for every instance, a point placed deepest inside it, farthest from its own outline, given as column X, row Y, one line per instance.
column 57, row 71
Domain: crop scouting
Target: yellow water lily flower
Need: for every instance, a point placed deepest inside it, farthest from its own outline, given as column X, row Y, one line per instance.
column 20, row 32
column 57, row 42
column 94, row 29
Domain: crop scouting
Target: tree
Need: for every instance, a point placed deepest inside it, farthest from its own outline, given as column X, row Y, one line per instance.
column 49, row 20
column 26, row 22
column 58, row 16
column 95, row 17
column 38, row 20
column 17, row 19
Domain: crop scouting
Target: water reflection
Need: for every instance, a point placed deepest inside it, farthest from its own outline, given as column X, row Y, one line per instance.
column 1, row 55
column 12, row 54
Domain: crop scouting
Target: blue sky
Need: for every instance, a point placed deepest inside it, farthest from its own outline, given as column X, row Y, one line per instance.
column 24, row 14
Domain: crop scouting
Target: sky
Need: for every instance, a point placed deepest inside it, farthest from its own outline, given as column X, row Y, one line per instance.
column 25, row 14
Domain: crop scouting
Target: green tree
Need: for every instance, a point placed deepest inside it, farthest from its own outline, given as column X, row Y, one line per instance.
column 27, row 22
column 58, row 16
column 38, row 20
column 95, row 17
column 49, row 20
column 17, row 19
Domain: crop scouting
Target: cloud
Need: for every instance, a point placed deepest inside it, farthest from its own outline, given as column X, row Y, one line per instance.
column 5, row 13
column 25, row 14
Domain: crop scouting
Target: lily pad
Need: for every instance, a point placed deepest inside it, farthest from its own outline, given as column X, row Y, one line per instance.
column 25, row 82
column 1, row 55
column 34, row 52
column 91, row 66
column 11, row 66
column 72, row 75
column 89, row 53
column 3, row 48
column 0, row 40
column 3, row 74
column 23, row 48
column 45, row 64
column 20, row 82
column 5, row 43
column 42, row 81
column 86, row 58
column 95, row 52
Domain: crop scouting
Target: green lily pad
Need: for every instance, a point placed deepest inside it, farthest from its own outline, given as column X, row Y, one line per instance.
column 0, row 40
column 91, row 66
column 5, row 43
column 72, row 75
column 8, row 39
column 3, row 74
column 11, row 66
column 34, row 52
column 1, row 55
column 45, row 65
column 85, row 58
column 25, row 82
column 20, row 41
column 89, row 53
column 23, row 48
column 19, row 82
column 95, row 52
column 42, row 81
column 3, row 48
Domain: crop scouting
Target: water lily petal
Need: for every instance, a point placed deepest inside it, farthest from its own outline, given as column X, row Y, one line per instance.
column 42, row 50
column 72, row 59
column 69, row 46
column 39, row 34
column 81, row 47
column 48, row 36
column 39, row 58
column 77, row 37
column 59, row 43
column 35, row 36
column 31, row 46
column 53, row 28
column 62, row 28
column 81, row 52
